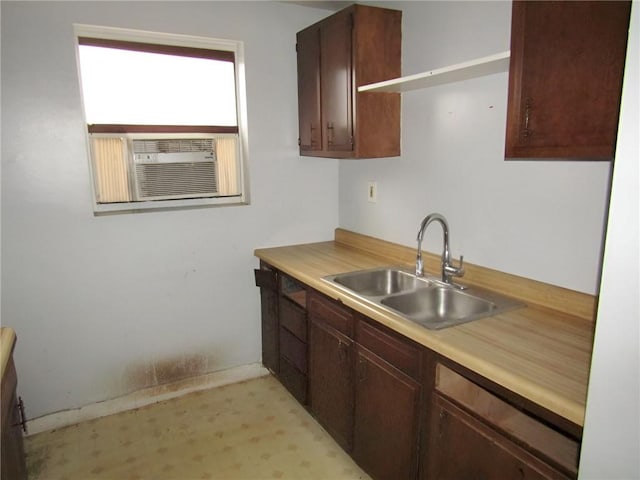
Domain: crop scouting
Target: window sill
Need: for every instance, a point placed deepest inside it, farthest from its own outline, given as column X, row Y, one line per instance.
column 163, row 205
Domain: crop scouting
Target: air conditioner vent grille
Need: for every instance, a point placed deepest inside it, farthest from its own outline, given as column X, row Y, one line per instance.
column 175, row 180
column 174, row 145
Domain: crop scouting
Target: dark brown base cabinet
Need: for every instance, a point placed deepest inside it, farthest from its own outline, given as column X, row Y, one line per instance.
column 293, row 348
column 474, row 430
column 400, row 410
column 465, row 448
column 330, row 388
column 369, row 405
column 13, row 461
column 387, row 418
column 284, row 329
column 267, row 280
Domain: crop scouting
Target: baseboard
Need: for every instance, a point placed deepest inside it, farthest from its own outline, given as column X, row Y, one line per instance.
column 144, row 397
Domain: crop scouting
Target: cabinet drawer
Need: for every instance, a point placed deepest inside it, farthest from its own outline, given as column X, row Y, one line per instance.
column 293, row 350
column 545, row 441
column 293, row 290
column 266, row 278
column 331, row 313
column 293, row 318
column 294, row 380
column 402, row 354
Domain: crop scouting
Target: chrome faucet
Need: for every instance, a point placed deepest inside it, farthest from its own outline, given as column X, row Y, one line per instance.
column 448, row 270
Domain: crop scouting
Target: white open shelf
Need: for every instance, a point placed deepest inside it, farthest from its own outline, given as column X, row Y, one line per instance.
column 496, row 63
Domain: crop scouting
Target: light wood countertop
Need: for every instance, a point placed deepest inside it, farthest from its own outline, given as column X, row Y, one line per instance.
column 7, row 341
column 538, row 352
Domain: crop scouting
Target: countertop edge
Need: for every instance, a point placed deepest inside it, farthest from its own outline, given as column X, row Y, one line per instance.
column 7, row 343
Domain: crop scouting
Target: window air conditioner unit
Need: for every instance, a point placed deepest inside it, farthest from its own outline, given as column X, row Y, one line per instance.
column 174, row 168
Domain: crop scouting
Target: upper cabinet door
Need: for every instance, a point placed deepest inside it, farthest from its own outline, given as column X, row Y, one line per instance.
column 309, row 120
column 336, row 73
column 352, row 47
column 565, row 78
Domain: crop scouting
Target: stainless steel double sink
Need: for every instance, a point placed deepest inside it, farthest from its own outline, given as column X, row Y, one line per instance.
column 423, row 300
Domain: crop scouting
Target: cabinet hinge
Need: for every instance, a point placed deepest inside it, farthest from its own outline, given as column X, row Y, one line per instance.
column 296, row 48
column 299, row 141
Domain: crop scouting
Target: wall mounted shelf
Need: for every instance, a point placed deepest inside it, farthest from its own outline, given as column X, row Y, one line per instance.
column 496, row 63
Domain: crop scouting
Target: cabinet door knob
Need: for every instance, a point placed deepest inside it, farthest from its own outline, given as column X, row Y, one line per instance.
column 443, row 419
column 362, row 371
column 342, row 350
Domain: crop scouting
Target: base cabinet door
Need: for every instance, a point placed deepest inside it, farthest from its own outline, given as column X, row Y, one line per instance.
column 267, row 280
column 12, row 465
column 386, row 419
column 331, row 381
column 463, row 448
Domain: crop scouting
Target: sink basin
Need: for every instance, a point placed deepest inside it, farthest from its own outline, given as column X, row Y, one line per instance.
column 439, row 307
column 424, row 300
column 379, row 282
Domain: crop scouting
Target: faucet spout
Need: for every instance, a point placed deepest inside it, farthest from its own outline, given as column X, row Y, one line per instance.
column 447, row 270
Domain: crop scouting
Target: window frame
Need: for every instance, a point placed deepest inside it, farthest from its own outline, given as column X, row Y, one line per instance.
column 186, row 45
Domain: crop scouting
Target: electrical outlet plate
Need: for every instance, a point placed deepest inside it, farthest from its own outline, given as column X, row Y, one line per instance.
column 372, row 192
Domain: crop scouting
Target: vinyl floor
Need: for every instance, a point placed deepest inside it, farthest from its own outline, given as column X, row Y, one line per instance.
column 248, row 430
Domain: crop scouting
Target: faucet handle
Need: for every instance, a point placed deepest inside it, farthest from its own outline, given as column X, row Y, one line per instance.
column 455, row 271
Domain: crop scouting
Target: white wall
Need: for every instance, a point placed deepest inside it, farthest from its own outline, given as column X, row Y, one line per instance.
column 538, row 219
column 611, row 439
column 104, row 305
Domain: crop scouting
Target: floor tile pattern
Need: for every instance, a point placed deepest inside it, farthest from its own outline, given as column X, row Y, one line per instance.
column 248, row 430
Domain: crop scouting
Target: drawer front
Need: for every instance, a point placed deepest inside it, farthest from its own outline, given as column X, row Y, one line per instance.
column 293, row 350
column 293, row 290
column 266, row 279
column 294, row 380
column 331, row 313
column 402, row 354
column 293, row 318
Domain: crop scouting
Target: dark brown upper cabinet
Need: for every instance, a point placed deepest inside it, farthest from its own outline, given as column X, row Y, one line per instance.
column 356, row 46
column 565, row 79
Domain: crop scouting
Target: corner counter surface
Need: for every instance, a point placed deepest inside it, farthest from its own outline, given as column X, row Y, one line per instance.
column 538, row 352
column 7, row 341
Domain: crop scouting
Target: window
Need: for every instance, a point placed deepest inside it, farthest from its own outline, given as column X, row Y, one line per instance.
column 165, row 119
